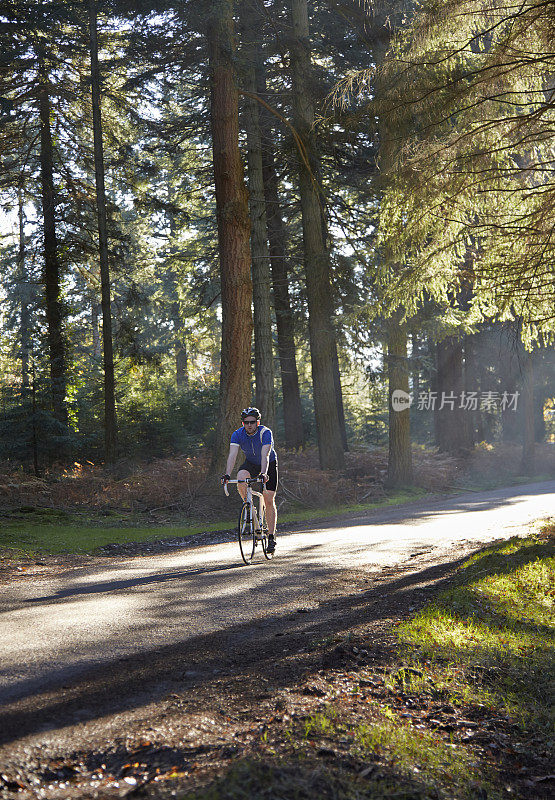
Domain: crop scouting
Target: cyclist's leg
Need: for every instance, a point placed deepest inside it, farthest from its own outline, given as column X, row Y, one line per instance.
column 269, row 498
column 242, row 475
column 246, row 470
column 271, row 511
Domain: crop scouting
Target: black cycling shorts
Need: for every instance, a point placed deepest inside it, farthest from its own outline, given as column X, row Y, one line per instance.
column 254, row 470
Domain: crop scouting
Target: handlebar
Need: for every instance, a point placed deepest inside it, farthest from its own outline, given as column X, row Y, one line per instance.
column 247, row 481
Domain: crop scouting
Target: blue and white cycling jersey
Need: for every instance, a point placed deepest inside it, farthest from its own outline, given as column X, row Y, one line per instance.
column 252, row 445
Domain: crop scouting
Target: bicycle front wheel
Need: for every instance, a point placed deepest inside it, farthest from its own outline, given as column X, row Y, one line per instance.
column 245, row 531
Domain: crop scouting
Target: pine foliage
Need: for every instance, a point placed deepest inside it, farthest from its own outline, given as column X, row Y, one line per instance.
column 469, row 106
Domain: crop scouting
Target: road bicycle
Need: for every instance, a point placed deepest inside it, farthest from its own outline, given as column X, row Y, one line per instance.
column 252, row 527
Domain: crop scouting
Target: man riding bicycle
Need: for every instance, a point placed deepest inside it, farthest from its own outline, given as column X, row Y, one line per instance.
column 257, row 443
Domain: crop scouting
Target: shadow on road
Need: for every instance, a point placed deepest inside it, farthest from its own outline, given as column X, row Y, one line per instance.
column 134, row 681
column 144, row 580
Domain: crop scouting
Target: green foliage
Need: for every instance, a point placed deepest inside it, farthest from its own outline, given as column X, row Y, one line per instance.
column 28, row 434
column 467, row 154
column 156, row 420
column 463, row 197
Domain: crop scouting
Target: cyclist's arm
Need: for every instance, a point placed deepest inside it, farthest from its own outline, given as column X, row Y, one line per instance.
column 265, row 458
column 232, row 457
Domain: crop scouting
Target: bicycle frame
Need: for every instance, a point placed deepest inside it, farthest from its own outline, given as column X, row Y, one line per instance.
column 252, row 528
column 251, row 493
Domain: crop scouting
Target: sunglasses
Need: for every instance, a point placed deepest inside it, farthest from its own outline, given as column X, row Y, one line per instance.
column 249, row 422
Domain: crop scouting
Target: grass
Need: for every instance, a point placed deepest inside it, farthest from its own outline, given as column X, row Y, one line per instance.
column 437, row 764
column 484, row 483
column 395, row 499
column 484, row 646
column 386, row 759
column 49, row 531
column 397, row 744
column 32, row 539
column 490, row 638
column 256, row 780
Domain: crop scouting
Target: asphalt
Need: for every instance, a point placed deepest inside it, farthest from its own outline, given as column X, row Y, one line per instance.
column 55, row 628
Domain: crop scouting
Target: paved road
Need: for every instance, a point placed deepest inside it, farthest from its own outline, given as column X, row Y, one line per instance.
column 53, row 629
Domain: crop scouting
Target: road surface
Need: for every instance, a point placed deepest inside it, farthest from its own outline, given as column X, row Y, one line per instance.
column 53, row 629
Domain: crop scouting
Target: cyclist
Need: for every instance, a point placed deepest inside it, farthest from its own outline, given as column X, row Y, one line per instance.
column 257, row 443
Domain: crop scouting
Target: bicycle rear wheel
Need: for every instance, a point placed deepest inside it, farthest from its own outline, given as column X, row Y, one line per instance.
column 245, row 532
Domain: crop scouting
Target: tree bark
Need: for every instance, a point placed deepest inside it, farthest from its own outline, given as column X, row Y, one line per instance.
column 110, row 423
column 527, row 464
column 399, row 470
column 470, row 385
column 260, row 255
column 233, row 230
column 451, row 424
column 339, row 399
column 181, row 367
column 510, row 427
column 292, row 409
column 540, row 429
column 23, row 296
column 317, row 267
column 54, row 312
column 34, row 440
column 179, row 329
column 96, row 346
column 415, row 366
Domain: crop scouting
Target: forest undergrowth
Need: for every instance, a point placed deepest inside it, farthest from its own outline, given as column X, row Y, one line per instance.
column 181, row 482
column 84, row 507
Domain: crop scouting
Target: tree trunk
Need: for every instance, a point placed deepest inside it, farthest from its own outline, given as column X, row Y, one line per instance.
column 510, row 427
column 179, row 329
column 465, row 419
column 96, row 346
column 540, row 430
column 181, row 361
column 339, row 399
column 527, row 464
column 54, row 313
column 233, row 230
column 434, row 382
column 181, row 367
column 399, row 471
column 110, row 423
column 470, row 385
column 260, row 256
column 317, row 268
column 415, row 366
column 34, row 439
column 23, row 296
column 292, row 410
column 451, row 436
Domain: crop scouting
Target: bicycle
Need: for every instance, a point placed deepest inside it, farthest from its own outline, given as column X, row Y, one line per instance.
column 252, row 527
